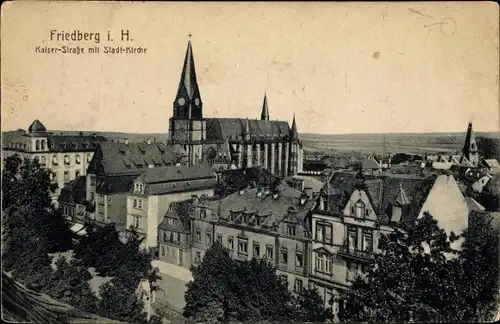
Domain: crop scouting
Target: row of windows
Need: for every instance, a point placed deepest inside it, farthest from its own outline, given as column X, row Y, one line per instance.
column 171, row 237
column 66, row 159
column 137, row 221
column 243, row 248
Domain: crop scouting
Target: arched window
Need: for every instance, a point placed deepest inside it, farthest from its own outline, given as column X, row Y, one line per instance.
column 54, row 159
column 77, row 159
column 43, row 160
column 66, row 159
column 43, row 144
column 37, row 145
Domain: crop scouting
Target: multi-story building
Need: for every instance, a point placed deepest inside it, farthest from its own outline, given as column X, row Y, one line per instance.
column 273, row 145
column 67, row 156
column 354, row 210
column 258, row 223
column 174, row 234
column 156, row 188
column 113, row 171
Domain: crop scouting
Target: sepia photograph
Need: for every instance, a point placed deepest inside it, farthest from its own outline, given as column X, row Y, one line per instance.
column 250, row 162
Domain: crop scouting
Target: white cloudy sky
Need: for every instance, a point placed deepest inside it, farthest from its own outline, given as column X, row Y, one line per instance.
column 340, row 67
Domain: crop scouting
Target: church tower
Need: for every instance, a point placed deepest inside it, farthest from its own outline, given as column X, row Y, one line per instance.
column 295, row 150
column 265, row 111
column 470, row 151
column 187, row 127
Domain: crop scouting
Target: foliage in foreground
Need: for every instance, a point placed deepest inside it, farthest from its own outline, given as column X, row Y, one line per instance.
column 224, row 289
column 406, row 283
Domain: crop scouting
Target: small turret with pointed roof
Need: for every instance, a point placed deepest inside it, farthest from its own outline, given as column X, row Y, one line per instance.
column 402, row 199
column 294, row 135
column 37, row 127
column 265, row 110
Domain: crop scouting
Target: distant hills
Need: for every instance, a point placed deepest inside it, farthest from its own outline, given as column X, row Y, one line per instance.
column 368, row 143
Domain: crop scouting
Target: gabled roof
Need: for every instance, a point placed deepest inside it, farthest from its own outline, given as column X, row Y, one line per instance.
column 74, row 143
column 37, row 127
column 383, row 190
column 370, row 163
column 221, row 129
column 181, row 211
column 249, row 201
column 491, row 163
column 176, row 173
column 132, row 158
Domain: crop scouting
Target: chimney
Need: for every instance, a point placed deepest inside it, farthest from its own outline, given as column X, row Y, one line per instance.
column 126, row 141
column 308, row 192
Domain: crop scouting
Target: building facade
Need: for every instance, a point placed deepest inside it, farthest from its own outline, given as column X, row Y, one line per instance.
column 353, row 211
column 113, row 171
column 230, row 142
column 67, row 156
column 154, row 191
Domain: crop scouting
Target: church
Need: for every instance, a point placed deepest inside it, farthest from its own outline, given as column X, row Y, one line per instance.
column 230, row 142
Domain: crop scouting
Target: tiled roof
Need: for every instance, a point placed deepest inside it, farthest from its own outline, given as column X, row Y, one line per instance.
column 309, row 182
column 176, row 173
column 182, row 211
column 221, row 129
column 132, row 158
column 37, row 127
column 239, row 178
column 370, row 163
column 20, row 304
column 382, row 190
column 118, row 184
column 248, row 201
column 73, row 143
column 180, row 186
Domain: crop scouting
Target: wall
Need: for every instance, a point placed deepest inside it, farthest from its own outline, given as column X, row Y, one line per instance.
column 447, row 205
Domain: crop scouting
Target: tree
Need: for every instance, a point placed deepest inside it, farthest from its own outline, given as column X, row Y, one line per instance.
column 310, row 307
column 413, row 278
column 119, row 301
column 213, row 282
column 26, row 194
column 69, row 284
column 480, row 260
column 227, row 290
column 488, row 147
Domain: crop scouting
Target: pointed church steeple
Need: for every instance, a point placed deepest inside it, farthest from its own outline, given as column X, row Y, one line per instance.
column 294, row 135
column 188, row 100
column 470, row 151
column 265, row 110
column 470, row 141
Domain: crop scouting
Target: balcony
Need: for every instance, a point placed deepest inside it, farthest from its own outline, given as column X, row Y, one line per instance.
column 359, row 255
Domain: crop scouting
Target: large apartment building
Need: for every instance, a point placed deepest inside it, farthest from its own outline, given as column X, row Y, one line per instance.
column 156, row 188
column 354, row 210
column 67, row 156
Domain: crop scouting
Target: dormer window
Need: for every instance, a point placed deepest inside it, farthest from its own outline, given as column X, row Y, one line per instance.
column 139, row 188
column 52, row 145
column 257, row 220
column 360, row 209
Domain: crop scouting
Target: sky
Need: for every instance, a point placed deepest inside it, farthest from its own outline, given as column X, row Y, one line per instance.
column 339, row 67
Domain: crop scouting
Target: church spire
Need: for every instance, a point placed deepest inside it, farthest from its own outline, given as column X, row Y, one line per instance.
column 470, row 146
column 265, row 110
column 188, row 101
column 293, row 131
